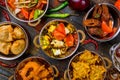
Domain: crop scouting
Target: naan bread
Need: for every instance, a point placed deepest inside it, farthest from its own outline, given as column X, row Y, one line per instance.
column 6, row 33
column 18, row 46
column 18, row 33
column 5, row 47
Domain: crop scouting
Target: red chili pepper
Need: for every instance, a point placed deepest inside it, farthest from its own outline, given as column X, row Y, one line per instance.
column 2, row 3
column 8, row 65
column 6, row 15
column 91, row 41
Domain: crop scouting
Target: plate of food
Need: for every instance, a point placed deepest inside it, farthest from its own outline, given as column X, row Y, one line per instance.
column 27, row 10
column 59, row 39
column 87, row 65
column 13, row 40
column 35, row 68
column 102, row 22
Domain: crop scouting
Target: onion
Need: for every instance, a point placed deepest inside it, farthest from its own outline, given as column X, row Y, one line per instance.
column 79, row 4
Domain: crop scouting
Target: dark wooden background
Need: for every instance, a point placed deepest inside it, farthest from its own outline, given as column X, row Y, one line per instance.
column 60, row 64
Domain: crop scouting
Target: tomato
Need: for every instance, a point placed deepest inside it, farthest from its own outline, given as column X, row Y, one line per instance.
column 59, row 32
column 117, row 4
column 69, row 40
column 61, row 28
column 58, row 35
column 106, row 28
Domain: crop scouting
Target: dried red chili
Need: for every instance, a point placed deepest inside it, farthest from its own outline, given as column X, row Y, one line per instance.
column 8, row 65
column 91, row 41
column 6, row 15
column 2, row 3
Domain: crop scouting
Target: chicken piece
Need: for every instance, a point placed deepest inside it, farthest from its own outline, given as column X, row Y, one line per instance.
column 5, row 47
column 50, row 78
column 6, row 33
column 18, row 46
column 41, row 68
column 91, row 22
column 50, row 70
column 34, row 66
column 105, row 13
column 97, row 11
column 18, row 33
column 44, row 74
column 44, row 79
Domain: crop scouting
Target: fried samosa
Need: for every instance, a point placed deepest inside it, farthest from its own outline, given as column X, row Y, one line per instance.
column 6, row 33
column 18, row 33
column 18, row 46
column 5, row 47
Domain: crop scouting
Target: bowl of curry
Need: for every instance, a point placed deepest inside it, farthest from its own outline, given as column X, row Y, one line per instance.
column 35, row 68
column 59, row 39
column 102, row 22
column 87, row 65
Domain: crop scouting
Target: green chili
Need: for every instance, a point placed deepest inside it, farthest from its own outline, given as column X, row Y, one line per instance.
column 63, row 5
column 57, row 15
column 37, row 13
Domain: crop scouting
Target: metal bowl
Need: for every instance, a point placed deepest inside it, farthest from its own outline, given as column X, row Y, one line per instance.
column 73, row 48
column 40, row 61
column 68, row 73
column 8, row 8
column 12, row 57
column 115, row 59
column 116, row 18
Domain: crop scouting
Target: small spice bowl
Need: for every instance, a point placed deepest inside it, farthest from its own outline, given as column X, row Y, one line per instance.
column 35, row 68
column 102, row 22
column 114, row 53
column 13, row 41
column 85, row 66
column 59, row 39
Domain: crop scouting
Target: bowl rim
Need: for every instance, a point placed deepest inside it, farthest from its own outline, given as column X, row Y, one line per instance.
column 115, row 62
column 26, row 40
column 27, row 20
column 81, row 52
column 109, row 38
column 58, row 21
column 32, row 57
column 114, row 51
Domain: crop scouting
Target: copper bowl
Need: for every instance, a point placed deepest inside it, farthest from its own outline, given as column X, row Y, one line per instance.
column 72, row 49
column 68, row 74
column 54, row 71
column 116, row 21
column 115, row 58
column 12, row 57
column 28, row 21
